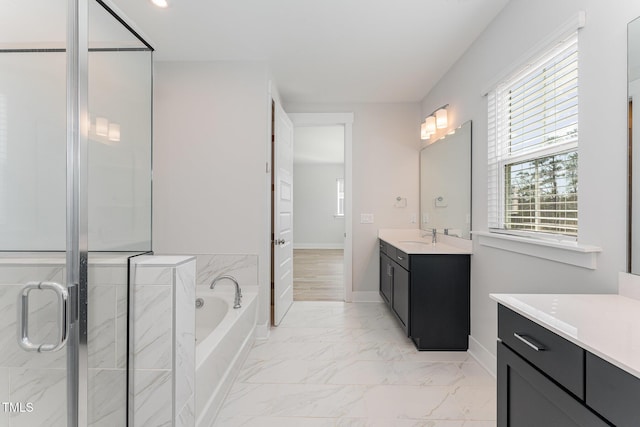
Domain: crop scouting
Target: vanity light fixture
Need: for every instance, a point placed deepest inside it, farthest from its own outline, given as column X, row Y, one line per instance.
column 160, row 3
column 430, row 125
column 423, row 131
column 436, row 120
column 441, row 117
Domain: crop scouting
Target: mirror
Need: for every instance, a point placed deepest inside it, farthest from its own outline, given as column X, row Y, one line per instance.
column 633, row 76
column 445, row 184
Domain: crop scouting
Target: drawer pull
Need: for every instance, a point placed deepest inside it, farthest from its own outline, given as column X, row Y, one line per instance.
column 534, row 345
column 400, row 258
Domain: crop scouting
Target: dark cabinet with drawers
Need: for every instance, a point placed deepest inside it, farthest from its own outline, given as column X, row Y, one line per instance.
column 429, row 294
column 545, row 380
column 394, row 282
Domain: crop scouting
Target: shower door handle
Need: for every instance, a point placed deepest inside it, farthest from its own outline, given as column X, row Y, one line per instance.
column 62, row 320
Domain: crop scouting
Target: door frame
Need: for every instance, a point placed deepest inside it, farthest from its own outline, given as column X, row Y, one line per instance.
column 346, row 120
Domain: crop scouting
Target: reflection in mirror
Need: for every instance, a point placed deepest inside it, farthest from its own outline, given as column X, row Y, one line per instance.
column 445, row 184
column 633, row 75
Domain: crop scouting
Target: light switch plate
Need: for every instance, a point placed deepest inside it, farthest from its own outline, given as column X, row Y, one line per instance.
column 366, row 218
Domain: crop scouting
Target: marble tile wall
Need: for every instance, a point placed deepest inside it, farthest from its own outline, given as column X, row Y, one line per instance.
column 40, row 378
column 164, row 344
column 163, row 341
column 243, row 267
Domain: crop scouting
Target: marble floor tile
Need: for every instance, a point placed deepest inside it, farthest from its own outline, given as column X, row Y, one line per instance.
column 338, row 364
column 275, row 422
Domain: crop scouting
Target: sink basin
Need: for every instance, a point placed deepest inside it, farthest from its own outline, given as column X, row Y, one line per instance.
column 426, row 247
column 413, row 246
column 416, row 242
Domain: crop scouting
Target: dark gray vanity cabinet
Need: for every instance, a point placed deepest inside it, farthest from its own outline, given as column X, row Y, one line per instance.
column 394, row 283
column 429, row 294
column 386, row 277
column 545, row 380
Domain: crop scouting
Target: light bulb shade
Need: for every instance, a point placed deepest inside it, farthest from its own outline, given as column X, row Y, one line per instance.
column 160, row 3
column 102, row 126
column 430, row 125
column 441, row 118
column 114, row 132
column 423, row 131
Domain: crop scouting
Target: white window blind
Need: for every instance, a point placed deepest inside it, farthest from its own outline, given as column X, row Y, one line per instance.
column 533, row 146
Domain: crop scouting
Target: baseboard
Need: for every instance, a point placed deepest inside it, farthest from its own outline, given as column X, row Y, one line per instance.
column 262, row 331
column 484, row 357
column 318, row 246
column 366, row 296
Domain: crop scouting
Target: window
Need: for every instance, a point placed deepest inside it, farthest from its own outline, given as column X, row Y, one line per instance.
column 533, row 146
column 340, row 197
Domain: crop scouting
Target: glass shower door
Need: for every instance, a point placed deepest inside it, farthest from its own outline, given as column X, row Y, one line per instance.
column 75, row 203
column 34, row 299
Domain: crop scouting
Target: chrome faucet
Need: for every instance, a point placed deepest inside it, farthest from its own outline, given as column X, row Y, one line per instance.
column 434, row 238
column 238, row 299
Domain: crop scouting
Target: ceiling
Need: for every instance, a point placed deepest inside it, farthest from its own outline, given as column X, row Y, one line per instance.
column 328, row 51
column 318, row 144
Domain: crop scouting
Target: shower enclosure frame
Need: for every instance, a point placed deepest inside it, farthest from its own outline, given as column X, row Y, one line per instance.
column 31, row 375
column 77, row 250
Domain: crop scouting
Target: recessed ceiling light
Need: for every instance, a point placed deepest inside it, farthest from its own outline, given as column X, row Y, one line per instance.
column 160, row 3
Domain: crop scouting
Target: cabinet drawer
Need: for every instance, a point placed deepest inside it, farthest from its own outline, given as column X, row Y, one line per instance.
column 401, row 258
column 387, row 249
column 612, row 392
column 560, row 359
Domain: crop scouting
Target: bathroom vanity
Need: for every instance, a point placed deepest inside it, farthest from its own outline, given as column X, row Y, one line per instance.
column 426, row 286
column 568, row 360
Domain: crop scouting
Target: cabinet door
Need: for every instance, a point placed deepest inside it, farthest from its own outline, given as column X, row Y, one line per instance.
column 386, row 277
column 439, row 314
column 527, row 398
column 612, row 392
column 401, row 295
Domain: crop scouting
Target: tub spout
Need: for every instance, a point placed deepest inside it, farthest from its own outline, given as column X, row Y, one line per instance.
column 238, row 299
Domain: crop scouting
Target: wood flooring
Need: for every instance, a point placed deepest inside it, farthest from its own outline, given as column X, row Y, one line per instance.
column 318, row 275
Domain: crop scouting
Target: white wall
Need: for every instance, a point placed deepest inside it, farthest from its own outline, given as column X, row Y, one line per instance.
column 211, row 122
column 386, row 144
column 603, row 155
column 314, row 206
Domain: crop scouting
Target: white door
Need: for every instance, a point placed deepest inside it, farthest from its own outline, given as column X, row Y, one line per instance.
column 283, row 216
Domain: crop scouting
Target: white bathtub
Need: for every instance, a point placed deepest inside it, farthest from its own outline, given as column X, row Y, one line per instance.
column 224, row 336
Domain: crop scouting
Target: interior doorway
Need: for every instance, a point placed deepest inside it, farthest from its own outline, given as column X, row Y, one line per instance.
column 319, row 213
column 301, row 120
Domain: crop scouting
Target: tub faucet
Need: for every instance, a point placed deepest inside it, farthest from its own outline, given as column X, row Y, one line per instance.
column 434, row 234
column 236, row 303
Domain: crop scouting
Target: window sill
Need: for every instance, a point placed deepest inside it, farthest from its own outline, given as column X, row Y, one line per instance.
column 571, row 253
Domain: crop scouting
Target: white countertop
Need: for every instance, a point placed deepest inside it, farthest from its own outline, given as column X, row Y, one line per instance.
column 411, row 241
column 607, row 325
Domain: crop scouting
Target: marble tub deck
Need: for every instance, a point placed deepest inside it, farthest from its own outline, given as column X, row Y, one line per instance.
column 337, row 364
